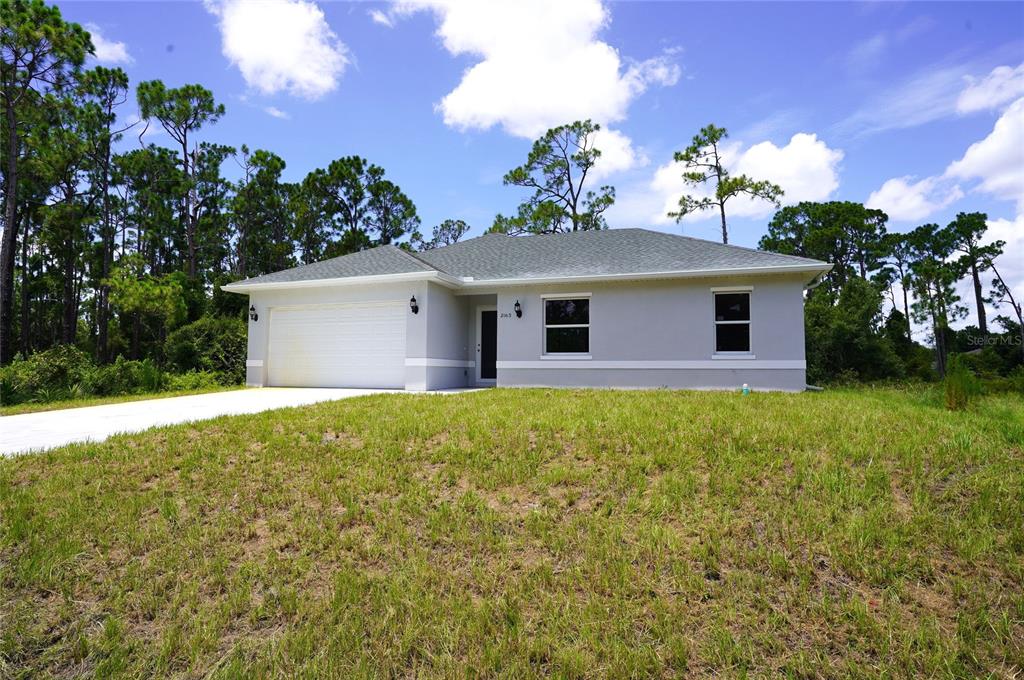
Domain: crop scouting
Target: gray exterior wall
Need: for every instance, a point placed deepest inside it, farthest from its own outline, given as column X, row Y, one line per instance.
column 446, row 342
column 658, row 334
column 642, row 334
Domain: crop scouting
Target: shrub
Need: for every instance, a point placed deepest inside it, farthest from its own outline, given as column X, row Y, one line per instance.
column 49, row 375
column 961, row 386
column 211, row 344
column 985, row 363
column 66, row 372
column 125, row 376
column 842, row 338
column 194, row 380
column 1014, row 382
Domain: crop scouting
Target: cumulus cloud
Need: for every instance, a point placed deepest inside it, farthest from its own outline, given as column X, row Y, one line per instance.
column 1011, row 263
column 998, row 160
column 1002, row 85
column 108, row 51
column 617, row 154
column 540, row 64
column 381, row 18
column 996, row 163
column 281, row 45
column 806, row 169
column 903, row 199
column 276, row 112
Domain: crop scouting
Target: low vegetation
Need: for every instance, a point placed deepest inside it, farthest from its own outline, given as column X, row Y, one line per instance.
column 200, row 356
column 866, row 532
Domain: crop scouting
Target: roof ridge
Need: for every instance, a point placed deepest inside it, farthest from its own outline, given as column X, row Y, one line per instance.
column 732, row 245
column 420, row 260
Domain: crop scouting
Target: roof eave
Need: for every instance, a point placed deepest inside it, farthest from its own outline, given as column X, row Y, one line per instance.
column 453, row 282
column 438, row 277
column 813, row 269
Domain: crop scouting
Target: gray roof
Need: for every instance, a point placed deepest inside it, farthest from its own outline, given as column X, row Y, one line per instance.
column 576, row 254
column 595, row 253
column 373, row 262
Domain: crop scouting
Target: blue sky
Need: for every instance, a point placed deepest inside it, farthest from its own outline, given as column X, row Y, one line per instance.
column 876, row 102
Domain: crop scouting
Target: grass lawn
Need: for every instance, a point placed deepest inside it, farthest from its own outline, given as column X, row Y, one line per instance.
column 527, row 533
column 34, row 407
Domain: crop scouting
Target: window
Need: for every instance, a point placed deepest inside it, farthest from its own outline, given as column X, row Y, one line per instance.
column 566, row 325
column 732, row 322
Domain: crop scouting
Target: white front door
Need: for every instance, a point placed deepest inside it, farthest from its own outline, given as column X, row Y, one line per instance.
column 344, row 345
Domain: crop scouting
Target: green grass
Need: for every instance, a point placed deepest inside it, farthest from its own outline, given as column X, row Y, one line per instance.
column 528, row 533
column 35, row 407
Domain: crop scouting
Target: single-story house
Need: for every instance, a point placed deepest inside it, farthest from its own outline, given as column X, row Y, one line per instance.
column 613, row 308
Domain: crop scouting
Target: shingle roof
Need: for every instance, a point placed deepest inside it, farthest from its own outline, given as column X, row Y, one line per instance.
column 373, row 262
column 595, row 253
column 586, row 253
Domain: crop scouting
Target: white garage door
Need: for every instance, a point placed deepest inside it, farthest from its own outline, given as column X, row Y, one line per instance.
column 351, row 345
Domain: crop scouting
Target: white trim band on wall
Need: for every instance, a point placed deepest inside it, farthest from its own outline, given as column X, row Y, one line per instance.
column 792, row 364
column 444, row 363
column 254, row 363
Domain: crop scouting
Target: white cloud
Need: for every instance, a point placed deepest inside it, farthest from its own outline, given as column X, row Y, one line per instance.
column 108, row 51
column 276, row 112
column 1002, row 85
column 903, row 199
column 997, row 160
column 1011, row 262
column 540, row 64
column 381, row 18
column 281, row 45
column 932, row 94
column 617, row 154
column 867, row 54
column 138, row 126
column 1010, row 265
column 924, row 98
column 806, row 169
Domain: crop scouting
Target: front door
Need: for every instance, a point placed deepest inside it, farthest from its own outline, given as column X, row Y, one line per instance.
column 487, row 348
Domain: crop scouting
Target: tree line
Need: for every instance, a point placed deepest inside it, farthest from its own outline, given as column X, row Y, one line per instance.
column 110, row 248
column 849, row 333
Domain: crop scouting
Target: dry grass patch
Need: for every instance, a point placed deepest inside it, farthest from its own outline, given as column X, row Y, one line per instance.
column 527, row 533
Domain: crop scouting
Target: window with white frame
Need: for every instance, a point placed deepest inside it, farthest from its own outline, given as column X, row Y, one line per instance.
column 732, row 321
column 567, row 325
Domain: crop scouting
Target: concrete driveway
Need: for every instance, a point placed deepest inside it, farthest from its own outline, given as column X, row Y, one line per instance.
column 45, row 430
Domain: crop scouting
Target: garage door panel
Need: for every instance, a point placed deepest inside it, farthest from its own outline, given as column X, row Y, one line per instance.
column 355, row 345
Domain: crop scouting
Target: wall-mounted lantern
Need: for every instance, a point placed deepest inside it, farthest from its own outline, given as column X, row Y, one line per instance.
column 252, row 313
column 413, row 305
column 518, row 309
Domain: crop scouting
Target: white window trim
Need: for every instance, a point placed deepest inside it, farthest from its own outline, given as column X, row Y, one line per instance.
column 544, row 326
column 749, row 352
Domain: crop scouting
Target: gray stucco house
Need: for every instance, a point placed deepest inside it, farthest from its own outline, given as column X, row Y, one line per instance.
column 614, row 308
